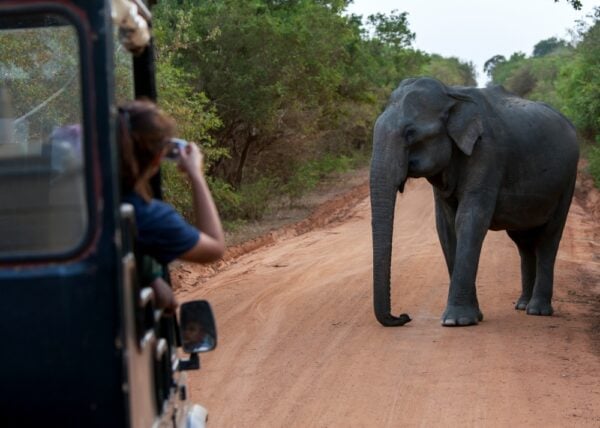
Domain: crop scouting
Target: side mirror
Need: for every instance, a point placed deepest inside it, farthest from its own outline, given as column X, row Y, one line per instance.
column 197, row 325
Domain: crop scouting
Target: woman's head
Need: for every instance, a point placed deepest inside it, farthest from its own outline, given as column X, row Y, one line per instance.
column 144, row 133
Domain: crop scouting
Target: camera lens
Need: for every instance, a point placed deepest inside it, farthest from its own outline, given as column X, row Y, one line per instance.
column 176, row 145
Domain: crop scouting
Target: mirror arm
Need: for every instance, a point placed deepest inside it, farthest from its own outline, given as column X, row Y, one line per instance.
column 193, row 363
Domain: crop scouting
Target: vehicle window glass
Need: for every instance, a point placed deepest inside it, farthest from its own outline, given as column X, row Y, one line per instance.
column 123, row 72
column 43, row 208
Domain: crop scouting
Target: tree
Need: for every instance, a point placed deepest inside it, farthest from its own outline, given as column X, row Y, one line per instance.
column 387, row 41
column 290, row 82
column 580, row 84
column 548, row 46
column 502, row 70
column 491, row 63
column 268, row 67
column 392, row 29
column 577, row 5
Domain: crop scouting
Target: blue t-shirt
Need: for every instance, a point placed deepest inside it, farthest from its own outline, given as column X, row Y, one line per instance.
column 162, row 233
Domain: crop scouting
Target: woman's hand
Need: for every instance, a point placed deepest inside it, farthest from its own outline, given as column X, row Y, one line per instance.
column 191, row 160
column 164, row 296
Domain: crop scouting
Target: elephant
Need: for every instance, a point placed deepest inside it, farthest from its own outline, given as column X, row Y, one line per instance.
column 496, row 162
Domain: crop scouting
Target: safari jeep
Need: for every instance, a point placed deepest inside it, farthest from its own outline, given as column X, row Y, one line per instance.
column 81, row 341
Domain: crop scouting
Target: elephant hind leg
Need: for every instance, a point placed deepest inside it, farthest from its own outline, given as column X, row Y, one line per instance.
column 526, row 243
column 545, row 251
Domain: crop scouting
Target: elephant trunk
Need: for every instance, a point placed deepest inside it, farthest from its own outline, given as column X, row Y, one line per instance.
column 383, row 202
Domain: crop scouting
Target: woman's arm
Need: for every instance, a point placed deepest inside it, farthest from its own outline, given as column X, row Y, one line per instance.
column 211, row 245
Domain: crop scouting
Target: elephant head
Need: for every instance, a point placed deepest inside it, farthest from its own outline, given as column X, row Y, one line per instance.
column 415, row 136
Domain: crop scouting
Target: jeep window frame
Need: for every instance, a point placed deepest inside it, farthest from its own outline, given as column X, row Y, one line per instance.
column 72, row 16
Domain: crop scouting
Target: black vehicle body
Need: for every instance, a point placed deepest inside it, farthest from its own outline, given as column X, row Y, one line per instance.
column 82, row 343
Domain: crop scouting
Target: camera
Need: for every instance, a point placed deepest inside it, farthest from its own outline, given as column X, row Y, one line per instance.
column 176, row 145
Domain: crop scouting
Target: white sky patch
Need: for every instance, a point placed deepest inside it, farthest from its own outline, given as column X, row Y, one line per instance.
column 476, row 30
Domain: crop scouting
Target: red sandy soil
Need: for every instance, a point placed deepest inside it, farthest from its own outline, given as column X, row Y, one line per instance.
column 299, row 345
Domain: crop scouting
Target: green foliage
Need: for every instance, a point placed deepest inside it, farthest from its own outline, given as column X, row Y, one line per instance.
column 594, row 161
column 548, row 46
column 491, row 63
column 451, row 71
column 547, row 72
column 581, row 94
column 387, row 54
column 250, row 202
column 177, row 190
column 267, row 67
column 123, row 74
column 195, row 116
column 521, row 81
column 392, row 30
column 39, row 69
column 226, row 198
column 281, row 90
column 567, row 77
column 536, row 77
column 278, row 93
column 254, row 197
column 577, row 5
column 502, row 70
column 307, row 175
column 580, row 81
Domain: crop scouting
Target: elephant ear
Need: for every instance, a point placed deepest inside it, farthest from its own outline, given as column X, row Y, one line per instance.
column 464, row 124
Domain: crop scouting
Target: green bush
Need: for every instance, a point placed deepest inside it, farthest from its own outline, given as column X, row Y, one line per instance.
column 308, row 175
column 255, row 197
column 594, row 161
column 580, row 81
column 522, row 81
column 451, row 71
column 177, row 190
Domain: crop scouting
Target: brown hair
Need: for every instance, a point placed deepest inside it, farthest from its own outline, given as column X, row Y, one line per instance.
column 144, row 131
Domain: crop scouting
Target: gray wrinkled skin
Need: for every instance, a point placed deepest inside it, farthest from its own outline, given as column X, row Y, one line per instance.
column 496, row 162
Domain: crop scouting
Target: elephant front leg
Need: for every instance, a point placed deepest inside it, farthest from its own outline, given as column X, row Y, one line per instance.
column 444, row 222
column 471, row 227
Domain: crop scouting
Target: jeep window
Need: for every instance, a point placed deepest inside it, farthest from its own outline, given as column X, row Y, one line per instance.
column 43, row 208
column 124, row 90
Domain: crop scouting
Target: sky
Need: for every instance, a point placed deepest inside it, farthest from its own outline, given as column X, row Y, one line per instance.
column 476, row 30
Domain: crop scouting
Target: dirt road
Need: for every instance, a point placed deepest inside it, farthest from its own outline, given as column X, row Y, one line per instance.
column 299, row 345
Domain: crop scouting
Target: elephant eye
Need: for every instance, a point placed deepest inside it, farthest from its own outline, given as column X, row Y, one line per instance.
column 409, row 135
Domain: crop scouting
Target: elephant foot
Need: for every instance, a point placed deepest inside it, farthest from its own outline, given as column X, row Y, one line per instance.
column 522, row 303
column 455, row 315
column 539, row 307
